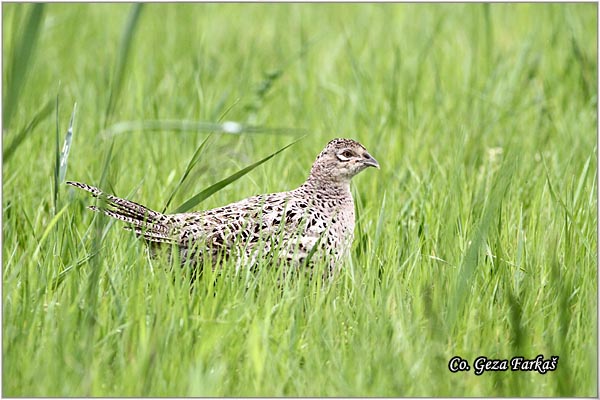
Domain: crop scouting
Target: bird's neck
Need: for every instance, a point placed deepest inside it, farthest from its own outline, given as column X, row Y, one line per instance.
column 334, row 189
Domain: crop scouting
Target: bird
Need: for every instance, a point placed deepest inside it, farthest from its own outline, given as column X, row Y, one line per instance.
column 310, row 224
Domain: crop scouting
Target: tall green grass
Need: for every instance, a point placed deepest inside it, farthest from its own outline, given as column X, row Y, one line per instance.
column 476, row 238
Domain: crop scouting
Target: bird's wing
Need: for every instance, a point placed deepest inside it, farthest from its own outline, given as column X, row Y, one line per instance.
column 258, row 221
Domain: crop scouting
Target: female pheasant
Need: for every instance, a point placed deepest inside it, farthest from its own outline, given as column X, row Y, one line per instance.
column 314, row 222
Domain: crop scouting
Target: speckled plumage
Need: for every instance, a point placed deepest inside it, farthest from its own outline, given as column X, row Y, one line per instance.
column 313, row 222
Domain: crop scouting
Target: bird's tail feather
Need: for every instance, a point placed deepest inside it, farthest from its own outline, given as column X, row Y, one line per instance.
column 152, row 225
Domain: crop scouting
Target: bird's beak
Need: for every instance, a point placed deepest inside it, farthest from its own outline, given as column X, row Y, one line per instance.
column 370, row 161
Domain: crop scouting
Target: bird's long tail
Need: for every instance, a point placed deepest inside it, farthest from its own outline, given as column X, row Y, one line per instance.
column 152, row 225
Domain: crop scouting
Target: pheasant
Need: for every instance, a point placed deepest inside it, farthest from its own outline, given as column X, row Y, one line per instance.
column 314, row 222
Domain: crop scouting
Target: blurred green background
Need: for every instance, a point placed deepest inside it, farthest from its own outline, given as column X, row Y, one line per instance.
column 477, row 236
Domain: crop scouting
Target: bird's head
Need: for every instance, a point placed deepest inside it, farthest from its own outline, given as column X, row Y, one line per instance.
column 341, row 160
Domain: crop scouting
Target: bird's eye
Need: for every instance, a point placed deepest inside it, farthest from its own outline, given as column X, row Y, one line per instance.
column 345, row 155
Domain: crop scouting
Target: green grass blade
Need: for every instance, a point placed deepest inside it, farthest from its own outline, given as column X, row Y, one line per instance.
column 122, row 58
column 470, row 261
column 49, row 227
column 56, row 153
column 568, row 212
column 206, row 193
column 41, row 115
column 582, row 180
column 64, row 155
column 21, row 62
column 193, row 161
column 59, row 278
column 95, row 262
column 228, row 127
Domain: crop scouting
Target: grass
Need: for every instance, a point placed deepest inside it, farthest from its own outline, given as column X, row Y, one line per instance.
column 476, row 238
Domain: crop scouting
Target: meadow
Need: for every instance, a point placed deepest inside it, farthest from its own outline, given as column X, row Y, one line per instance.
column 478, row 236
